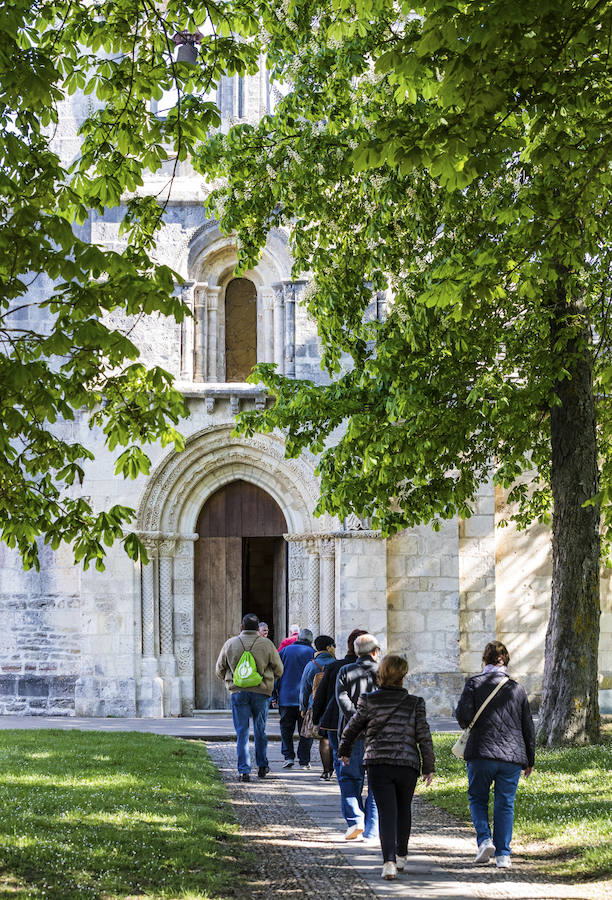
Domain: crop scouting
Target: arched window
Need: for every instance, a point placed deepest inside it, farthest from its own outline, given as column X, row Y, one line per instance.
column 240, row 329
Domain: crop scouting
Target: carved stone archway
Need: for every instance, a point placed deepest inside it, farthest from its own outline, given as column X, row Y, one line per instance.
column 167, row 516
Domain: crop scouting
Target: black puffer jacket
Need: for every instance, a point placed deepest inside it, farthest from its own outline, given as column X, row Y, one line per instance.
column 324, row 708
column 504, row 730
column 396, row 730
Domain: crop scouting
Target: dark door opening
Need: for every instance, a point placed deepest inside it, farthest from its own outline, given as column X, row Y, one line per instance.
column 240, row 567
column 263, row 581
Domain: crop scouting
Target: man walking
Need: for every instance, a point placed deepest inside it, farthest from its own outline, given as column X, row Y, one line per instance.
column 250, row 702
column 295, row 657
column 354, row 680
column 325, row 711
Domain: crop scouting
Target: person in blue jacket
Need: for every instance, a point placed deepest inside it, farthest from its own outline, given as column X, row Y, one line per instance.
column 325, row 653
column 295, row 657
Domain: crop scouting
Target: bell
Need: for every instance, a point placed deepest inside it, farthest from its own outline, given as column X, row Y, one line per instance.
column 187, row 53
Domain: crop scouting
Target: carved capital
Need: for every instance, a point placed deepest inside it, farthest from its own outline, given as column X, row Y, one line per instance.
column 212, row 297
column 327, row 547
column 167, row 548
column 199, row 295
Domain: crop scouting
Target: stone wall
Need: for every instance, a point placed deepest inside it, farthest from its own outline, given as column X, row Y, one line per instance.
column 361, row 586
column 523, row 574
column 477, row 580
column 40, row 635
column 423, row 612
column 523, row 570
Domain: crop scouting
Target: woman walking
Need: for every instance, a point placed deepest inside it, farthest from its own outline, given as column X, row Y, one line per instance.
column 397, row 739
column 501, row 745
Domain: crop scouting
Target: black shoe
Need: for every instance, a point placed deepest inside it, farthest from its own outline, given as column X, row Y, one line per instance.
column 262, row 771
column 326, row 776
column 244, row 777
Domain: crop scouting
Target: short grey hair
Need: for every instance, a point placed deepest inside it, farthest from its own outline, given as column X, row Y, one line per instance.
column 306, row 635
column 366, row 644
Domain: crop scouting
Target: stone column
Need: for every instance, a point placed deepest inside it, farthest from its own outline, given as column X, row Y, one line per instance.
column 212, row 298
column 150, row 688
column 187, row 333
column 172, row 694
column 290, row 330
column 279, row 327
column 327, row 582
column 200, row 341
column 313, row 590
column 166, row 561
column 148, row 582
column 267, row 300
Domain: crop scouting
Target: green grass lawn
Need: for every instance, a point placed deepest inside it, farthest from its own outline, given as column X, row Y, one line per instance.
column 97, row 815
column 563, row 813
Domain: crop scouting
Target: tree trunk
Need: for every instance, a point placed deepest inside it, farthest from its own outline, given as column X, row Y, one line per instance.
column 570, row 707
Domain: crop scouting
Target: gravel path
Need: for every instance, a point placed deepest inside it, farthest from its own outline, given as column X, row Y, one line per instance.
column 293, row 827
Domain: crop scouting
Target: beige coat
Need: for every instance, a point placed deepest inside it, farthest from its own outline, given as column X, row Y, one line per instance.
column 266, row 657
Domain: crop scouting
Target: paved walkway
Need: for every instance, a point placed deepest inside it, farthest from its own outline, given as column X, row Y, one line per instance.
column 210, row 726
column 292, row 823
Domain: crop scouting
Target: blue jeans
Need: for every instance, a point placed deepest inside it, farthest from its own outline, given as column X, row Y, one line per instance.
column 505, row 776
column 290, row 719
column 247, row 705
column 351, row 779
column 333, row 743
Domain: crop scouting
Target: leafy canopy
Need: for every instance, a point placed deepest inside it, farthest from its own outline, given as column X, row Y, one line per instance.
column 455, row 155
column 67, row 306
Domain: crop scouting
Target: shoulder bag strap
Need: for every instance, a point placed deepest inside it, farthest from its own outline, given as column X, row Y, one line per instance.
column 488, row 700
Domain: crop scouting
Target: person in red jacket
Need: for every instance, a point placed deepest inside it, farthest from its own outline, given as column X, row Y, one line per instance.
column 294, row 631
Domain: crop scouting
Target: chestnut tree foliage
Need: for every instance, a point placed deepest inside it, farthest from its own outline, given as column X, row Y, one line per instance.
column 60, row 360
column 456, row 156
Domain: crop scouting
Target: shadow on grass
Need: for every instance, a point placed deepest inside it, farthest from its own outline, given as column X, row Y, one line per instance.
column 97, row 815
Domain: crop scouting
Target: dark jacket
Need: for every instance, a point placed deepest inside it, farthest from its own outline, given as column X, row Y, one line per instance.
column 395, row 729
column 295, row 657
column 324, row 708
column 354, row 680
column 504, row 730
column 316, row 665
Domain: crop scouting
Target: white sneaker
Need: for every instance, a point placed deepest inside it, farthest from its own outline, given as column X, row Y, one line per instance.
column 503, row 862
column 353, row 832
column 288, row 764
column 389, row 871
column 485, row 852
column 400, row 862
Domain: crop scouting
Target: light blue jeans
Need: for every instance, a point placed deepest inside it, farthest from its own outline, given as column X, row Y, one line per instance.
column 482, row 773
column 351, row 779
column 249, row 705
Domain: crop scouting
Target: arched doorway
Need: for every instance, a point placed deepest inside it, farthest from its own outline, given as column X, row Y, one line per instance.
column 240, row 567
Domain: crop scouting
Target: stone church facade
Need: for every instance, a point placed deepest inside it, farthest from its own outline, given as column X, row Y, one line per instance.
column 229, row 523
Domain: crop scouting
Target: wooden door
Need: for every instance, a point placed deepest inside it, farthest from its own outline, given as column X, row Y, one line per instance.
column 237, row 511
column 218, row 611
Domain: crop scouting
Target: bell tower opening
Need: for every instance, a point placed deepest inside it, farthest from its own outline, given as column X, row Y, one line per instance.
column 240, row 567
column 240, row 329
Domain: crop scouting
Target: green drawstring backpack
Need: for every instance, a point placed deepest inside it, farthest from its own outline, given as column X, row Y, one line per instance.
column 245, row 673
